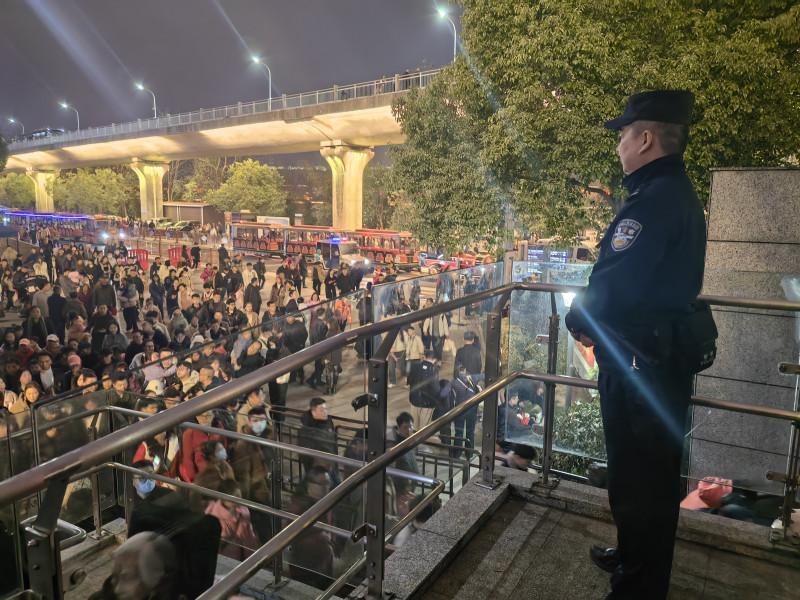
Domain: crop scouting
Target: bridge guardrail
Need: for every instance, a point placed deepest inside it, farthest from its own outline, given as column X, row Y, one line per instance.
column 397, row 83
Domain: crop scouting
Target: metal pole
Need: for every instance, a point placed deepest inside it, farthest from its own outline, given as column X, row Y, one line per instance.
column 455, row 38
column 43, row 553
column 570, row 370
column 277, row 502
column 376, row 486
column 550, row 401
column 97, row 513
column 493, row 356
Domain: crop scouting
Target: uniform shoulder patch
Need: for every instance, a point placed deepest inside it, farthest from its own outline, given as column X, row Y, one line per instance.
column 625, row 234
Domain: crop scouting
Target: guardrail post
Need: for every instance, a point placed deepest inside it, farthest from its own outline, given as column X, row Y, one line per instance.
column 41, row 543
column 396, row 82
column 550, row 400
column 239, row 109
column 493, row 356
column 277, row 502
column 378, row 393
column 97, row 513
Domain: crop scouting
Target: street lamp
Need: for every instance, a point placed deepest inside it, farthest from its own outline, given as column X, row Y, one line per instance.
column 443, row 15
column 77, row 116
column 13, row 120
column 258, row 61
column 140, row 87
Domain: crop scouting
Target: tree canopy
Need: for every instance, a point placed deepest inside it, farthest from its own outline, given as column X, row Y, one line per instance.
column 378, row 199
column 104, row 190
column 517, row 121
column 252, row 186
column 17, row 191
column 3, row 153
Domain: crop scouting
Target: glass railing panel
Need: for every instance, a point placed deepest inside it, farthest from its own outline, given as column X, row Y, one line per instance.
column 751, row 345
column 10, row 545
column 70, row 423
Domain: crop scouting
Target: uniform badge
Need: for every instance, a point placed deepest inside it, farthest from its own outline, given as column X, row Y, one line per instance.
column 625, row 234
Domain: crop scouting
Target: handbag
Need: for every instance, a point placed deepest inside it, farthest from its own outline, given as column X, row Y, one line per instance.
column 449, row 346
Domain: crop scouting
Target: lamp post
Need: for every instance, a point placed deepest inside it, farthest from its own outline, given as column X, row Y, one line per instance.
column 77, row 116
column 258, row 61
column 140, row 87
column 13, row 120
column 443, row 15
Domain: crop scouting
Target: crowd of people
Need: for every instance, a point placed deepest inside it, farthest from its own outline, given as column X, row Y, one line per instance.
column 94, row 321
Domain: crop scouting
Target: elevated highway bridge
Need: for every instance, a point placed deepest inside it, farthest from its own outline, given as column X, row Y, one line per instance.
column 343, row 122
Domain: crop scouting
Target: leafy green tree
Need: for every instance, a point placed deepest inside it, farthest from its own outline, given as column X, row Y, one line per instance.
column 3, row 153
column 207, row 175
column 319, row 209
column 379, row 199
column 17, row 191
column 176, row 179
column 252, row 186
column 518, row 120
column 103, row 190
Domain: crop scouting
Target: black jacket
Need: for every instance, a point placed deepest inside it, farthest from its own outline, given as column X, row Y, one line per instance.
column 423, row 380
column 295, row 335
column 469, row 355
column 319, row 330
column 651, row 257
column 252, row 294
column 55, row 306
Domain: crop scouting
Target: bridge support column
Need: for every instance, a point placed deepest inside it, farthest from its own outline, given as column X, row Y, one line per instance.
column 151, row 190
column 43, row 184
column 347, row 165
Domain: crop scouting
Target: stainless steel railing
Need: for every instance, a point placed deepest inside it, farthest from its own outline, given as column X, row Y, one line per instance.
column 55, row 473
column 376, row 87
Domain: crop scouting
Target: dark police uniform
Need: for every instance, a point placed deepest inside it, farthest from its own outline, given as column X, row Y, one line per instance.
column 649, row 270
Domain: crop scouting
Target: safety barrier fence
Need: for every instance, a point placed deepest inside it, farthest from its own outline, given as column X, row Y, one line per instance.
column 337, row 93
column 54, row 475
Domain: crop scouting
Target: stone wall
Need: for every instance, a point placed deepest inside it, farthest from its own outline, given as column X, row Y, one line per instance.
column 753, row 247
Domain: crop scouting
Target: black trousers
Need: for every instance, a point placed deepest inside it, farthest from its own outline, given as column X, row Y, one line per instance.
column 131, row 316
column 644, row 417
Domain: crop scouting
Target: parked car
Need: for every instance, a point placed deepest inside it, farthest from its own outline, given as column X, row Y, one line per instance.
column 161, row 223
column 184, row 226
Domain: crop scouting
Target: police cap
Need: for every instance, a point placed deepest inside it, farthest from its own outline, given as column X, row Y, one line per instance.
column 664, row 106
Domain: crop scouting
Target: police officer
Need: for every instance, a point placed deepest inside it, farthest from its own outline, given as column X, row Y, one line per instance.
column 649, row 270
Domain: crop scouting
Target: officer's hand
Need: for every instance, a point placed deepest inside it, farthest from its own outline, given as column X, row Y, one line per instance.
column 585, row 340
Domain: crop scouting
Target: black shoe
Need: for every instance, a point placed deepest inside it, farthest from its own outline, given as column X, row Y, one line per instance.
column 605, row 558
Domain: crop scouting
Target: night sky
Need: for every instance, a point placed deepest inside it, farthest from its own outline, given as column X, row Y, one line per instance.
column 196, row 53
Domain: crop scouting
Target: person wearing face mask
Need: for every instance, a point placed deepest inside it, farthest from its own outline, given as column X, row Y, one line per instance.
column 254, row 400
column 312, row 551
column 148, row 492
column 214, row 471
column 251, row 466
column 192, row 444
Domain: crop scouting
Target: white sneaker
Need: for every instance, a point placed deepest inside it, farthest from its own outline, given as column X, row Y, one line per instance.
column 391, row 385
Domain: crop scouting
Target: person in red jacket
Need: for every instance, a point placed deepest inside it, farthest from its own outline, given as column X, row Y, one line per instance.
column 192, row 459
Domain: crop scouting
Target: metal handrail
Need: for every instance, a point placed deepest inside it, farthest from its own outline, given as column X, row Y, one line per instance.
column 251, row 565
column 30, row 482
column 324, row 96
